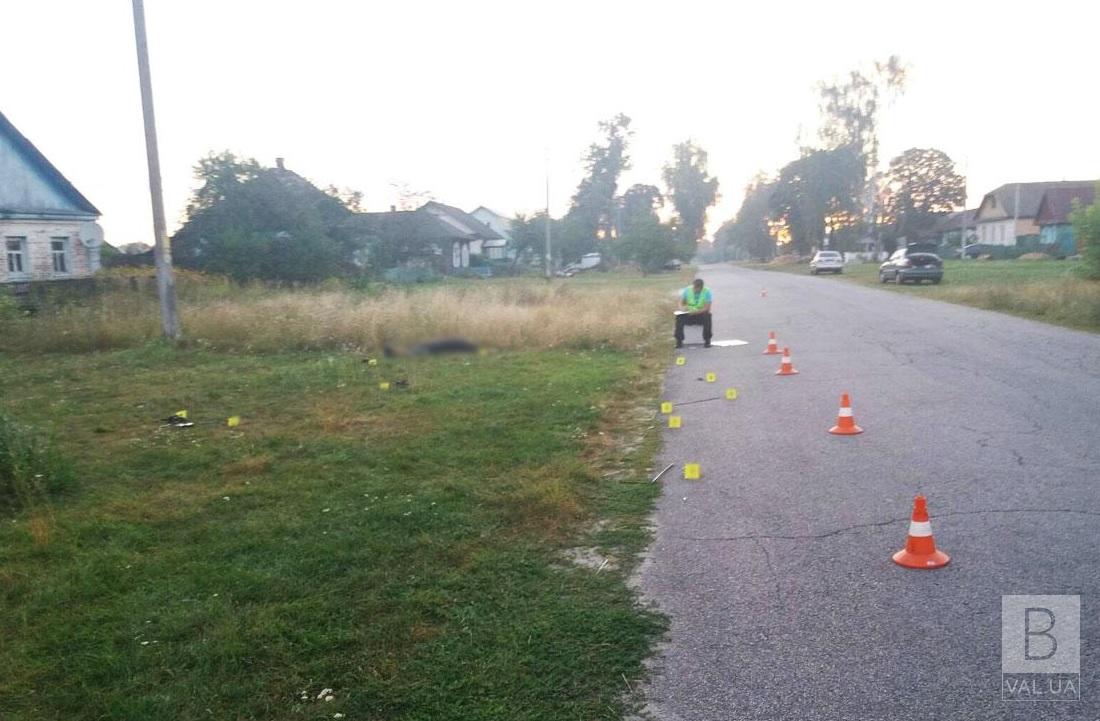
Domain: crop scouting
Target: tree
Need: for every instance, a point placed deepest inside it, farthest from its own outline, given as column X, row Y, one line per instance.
column 249, row 222
column 639, row 203
column 850, row 108
column 591, row 215
column 692, row 192
column 822, row 185
column 220, row 174
column 528, row 235
column 1086, row 228
column 649, row 243
column 923, row 186
column 750, row 233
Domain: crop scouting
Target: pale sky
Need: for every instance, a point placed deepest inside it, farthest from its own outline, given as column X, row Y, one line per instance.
column 465, row 99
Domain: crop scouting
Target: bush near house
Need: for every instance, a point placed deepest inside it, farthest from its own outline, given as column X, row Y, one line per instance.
column 1086, row 227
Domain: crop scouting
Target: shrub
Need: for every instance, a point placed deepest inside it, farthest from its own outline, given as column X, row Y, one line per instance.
column 31, row 468
column 1086, row 226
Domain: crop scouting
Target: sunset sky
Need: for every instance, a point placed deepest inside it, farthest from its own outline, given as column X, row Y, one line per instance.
column 466, row 100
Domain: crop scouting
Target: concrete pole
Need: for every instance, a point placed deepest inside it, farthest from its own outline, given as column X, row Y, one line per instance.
column 549, row 257
column 166, row 285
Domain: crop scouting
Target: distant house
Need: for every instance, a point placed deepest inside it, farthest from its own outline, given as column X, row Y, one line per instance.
column 48, row 228
column 958, row 229
column 1055, row 228
column 502, row 226
column 436, row 235
column 1001, row 223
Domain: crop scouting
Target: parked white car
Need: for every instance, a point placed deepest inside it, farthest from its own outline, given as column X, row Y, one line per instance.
column 827, row 261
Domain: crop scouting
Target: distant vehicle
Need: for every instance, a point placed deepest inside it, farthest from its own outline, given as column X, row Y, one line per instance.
column 915, row 262
column 827, row 261
column 971, row 251
column 673, row 264
column 588, row 261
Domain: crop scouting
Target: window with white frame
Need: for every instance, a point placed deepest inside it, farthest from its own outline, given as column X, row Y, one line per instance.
column 16, row 250
column 59, row 251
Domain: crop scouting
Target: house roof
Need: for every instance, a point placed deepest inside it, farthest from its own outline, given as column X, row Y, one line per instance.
column 1057, row 203
column 431, row 222
column 38, row 161
column 461, row 221
column 956, row 220
column 1030, row 196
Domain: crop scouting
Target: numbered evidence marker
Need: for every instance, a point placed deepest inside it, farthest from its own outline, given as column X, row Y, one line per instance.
column 674, row 421
column 680, row 360
column 233, row 421
column 666, row 407
column 731, row 394
column 711, row 377
column 384, row 386
column 182, row 413
column 692, row 472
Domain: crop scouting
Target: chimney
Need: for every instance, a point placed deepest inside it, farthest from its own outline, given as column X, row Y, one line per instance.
column 393, row 208
column 279, row 163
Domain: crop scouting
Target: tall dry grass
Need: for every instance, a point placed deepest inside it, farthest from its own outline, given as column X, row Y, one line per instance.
column 520, row 314
column 1072, row 302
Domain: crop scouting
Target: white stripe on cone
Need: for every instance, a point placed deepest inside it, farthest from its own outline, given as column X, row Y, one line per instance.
column 920, row 528
column 845, row 412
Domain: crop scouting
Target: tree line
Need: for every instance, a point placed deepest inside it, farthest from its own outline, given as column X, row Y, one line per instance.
column 835, row 193
column 626, row 227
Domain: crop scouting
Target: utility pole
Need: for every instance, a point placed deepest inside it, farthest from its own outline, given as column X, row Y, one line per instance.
column 166, row 284
column 549, row 260
column 1015, row 214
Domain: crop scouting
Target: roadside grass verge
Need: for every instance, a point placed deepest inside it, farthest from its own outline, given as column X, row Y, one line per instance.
column 1050, row 291
column 523, row 313
column 405, row 549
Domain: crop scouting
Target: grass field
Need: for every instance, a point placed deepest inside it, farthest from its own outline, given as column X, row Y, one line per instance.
column 1050, row 291
column 406, row 550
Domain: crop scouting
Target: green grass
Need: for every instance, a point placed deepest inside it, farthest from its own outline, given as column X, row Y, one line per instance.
column 402, row 548
column 1050, row 291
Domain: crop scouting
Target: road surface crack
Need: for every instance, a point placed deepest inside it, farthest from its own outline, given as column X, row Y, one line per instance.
column 757, row 537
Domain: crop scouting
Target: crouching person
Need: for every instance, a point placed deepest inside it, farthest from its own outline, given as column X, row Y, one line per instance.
column 694, row 309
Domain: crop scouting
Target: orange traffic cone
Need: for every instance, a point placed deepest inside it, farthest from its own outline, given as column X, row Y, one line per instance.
column 845, row 422
column 785, row 367
column 773, row 346
column 920, row 548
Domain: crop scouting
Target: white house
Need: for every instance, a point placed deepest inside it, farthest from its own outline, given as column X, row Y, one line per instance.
column 495, row 249
column 48, row 228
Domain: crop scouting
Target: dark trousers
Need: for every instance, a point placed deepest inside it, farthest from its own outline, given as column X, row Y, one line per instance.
column 702, row 319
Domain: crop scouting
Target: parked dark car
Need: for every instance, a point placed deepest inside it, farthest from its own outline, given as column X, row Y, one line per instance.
column 915, row 262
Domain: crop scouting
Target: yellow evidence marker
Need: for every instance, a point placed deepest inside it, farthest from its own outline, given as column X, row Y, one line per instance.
column 711, row 377
column 372, row 362
column 692, row 472
column 731, row 394
column 233, row 421
column 384, row 386
column 674, row 421
column 181, row 414
column 666, row 407
column 680, row 360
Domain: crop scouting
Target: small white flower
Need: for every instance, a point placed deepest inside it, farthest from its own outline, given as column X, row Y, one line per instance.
column 144, row 643
column 325, row 510
column 225, row 498
column 329, row 698
column 324, row 692
column 338, row 715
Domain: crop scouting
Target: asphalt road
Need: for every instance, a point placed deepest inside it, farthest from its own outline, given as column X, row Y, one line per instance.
column 775, row 568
